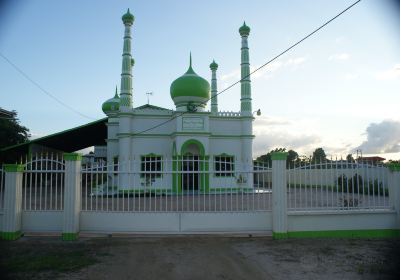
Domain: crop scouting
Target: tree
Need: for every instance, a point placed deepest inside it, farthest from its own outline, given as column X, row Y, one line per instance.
column 319, row 156
column 292, row 158
column 350, row 158
column 11, row 132
column 267, row 157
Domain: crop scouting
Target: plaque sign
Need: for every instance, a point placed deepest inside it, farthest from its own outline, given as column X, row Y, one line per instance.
column 192, row 124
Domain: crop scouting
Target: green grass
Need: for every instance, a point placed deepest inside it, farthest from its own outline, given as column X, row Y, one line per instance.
column 28, row 260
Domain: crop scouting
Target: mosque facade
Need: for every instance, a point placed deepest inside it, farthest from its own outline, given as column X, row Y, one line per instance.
column 208, row 146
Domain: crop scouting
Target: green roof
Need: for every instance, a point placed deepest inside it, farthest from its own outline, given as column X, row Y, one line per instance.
column 70, row 140
column 128, row 17
column 190, row 85
column 244, row 30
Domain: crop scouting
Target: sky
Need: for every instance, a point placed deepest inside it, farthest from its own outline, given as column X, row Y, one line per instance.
column 339, row 89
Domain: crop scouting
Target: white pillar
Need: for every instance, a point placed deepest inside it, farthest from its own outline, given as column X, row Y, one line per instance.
column 279, row 195
column 12, row 202
column 394, row 190
column 72, row 196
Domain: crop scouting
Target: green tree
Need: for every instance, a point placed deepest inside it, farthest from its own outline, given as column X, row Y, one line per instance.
column 318, row 156
column 350, row 158
column 11, row 132
column 266, row 159
column 292, row 158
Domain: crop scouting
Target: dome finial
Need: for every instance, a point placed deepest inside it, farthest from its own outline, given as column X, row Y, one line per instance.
column 116, row 91
column 190, row 69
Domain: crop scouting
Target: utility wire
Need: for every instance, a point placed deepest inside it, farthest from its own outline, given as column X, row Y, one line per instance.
column 42, row 89
column 254, row 71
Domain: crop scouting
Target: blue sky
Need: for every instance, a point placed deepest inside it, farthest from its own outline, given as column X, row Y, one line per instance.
column 338, row 90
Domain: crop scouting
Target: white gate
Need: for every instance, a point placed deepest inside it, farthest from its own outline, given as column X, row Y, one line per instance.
column 184, row 194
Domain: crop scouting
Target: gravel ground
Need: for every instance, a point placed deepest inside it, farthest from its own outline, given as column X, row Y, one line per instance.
column 200, row 257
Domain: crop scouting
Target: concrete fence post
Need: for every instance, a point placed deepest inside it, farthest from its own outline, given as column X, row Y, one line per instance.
column 279, row 195
column 12, row 202
column 394, row 189
column 72, row 196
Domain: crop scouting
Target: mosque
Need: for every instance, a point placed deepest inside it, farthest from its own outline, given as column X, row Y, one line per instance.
column 202, row 141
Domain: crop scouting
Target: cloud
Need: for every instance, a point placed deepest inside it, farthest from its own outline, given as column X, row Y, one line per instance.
column 291, row 63
column 339, row 56
column 350, row 76
column 278, row 132
column 383, row 137
column 390, row 74
column 302, row 143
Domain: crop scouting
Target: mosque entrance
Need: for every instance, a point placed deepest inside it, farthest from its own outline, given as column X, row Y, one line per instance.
column 190, row 173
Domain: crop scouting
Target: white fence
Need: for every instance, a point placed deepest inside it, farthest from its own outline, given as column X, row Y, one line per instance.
column 331, row 185
column 43, row 183
column 197, row 194
column 178, row 185
column 2, row 179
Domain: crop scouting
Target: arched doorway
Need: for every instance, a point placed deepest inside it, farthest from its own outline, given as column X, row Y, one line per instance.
column 193, row 166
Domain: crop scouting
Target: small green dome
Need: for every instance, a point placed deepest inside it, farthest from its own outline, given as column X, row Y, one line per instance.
column 244, row 30
column 190, row 89
column 111, row 105
column 128, row 18
column 213, row 65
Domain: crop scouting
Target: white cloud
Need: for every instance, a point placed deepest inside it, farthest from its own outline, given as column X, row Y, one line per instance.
column 277, row 132
column 339, row 56
column 383, row 137
column 350, row 76
column 265, row 72
column 390, row 74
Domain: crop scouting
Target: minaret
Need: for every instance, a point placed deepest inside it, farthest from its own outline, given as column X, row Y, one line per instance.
column 127, row 64
column 245, row 87
column 124, row 140
column 214, row 97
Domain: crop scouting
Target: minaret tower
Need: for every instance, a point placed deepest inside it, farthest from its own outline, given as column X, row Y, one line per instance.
column 245, row 87
column 125, row 143
column 214, row 97
column 127, row 64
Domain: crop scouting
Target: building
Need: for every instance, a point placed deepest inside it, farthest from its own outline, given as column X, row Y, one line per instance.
column 200, row 140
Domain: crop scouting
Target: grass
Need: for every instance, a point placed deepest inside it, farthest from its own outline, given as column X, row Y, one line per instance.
column 19, row 261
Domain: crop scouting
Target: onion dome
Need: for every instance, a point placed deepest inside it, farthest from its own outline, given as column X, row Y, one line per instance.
column 213, row 65
column 244, row 30
column 111, row 106
column 190, row 91
column 128, row 18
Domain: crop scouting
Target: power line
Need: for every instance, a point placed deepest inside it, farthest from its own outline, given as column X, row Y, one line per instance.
column 254, row 71
column 42, row 89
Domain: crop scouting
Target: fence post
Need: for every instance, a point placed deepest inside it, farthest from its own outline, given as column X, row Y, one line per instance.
column 72, row 196
column 394, row 189
column 12, row 202
column 279, row 195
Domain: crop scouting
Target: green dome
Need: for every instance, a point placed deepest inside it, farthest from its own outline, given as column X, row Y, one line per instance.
column 213, row 65
column 244, row 30
column 111, row 105
column 128, row 17
column 190, row 89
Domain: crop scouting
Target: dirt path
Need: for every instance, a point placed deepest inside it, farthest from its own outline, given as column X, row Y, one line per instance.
column 214, row 257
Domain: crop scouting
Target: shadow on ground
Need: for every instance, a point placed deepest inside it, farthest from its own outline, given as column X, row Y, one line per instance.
column 199, row 257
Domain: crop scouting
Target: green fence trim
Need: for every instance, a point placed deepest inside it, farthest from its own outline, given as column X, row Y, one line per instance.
column 279, row 155
column 13, row 235
column 367, row 233
column 70, row 236
column 72, row 156
column 279, row 235
column 14, row 167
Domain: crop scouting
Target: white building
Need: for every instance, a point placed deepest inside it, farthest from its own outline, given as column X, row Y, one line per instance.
column 149, row 138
